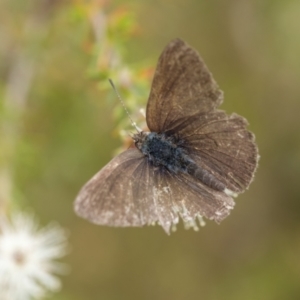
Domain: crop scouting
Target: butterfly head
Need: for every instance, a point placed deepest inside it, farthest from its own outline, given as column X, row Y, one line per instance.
column 139, row 139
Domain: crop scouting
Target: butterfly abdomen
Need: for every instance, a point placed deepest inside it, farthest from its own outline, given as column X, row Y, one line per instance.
column 205, row 177
column 164, row 151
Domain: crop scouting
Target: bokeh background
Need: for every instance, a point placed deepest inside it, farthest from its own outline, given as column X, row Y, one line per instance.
column 65, row 123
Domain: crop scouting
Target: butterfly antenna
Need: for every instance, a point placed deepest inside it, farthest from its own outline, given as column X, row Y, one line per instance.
column 123, row 104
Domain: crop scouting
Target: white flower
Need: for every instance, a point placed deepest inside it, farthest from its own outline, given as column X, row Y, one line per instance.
column 27, row 258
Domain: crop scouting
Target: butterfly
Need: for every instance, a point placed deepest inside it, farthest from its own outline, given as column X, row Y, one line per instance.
column 191, row 164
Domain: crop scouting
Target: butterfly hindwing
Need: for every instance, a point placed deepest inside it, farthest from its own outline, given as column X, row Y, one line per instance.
column 227, row 150
column 222, row 145
column 178, row 195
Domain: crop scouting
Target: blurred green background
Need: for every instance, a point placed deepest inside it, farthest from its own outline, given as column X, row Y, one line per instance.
column 55, row 57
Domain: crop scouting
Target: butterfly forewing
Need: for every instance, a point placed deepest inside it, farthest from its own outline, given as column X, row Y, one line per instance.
column 182, row 86
column 128, row 191
column 143, row 191
column 107, row 199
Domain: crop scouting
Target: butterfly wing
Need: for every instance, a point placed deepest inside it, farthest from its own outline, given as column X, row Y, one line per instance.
column 178, row 195
column 224, row 147
column 182, row 85
column 130, row 191
column 220, row 144
column 120, row 193
column 183, row 101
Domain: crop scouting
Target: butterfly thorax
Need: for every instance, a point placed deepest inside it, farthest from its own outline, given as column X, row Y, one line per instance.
column 166, row 152
column 163, row 150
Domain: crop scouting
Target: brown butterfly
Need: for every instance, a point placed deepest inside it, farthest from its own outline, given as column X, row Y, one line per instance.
column 193, row 162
